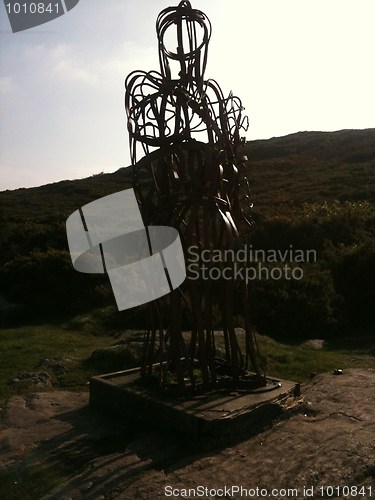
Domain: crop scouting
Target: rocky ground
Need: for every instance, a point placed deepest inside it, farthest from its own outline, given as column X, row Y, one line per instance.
column 330, row 442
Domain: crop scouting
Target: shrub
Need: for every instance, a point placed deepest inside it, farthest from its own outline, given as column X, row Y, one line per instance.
column 353, row 271
column 46, row 283
column 339, row 289
column 295, row 308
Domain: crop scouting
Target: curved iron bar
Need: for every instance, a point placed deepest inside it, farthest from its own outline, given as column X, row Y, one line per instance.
column 187, row 134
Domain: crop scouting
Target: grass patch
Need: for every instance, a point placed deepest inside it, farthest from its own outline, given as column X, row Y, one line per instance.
column 73, row 342
column 22, row 349
column 299, row 362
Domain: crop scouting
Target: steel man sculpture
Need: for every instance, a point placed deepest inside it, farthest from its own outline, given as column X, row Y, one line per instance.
column 184, row 137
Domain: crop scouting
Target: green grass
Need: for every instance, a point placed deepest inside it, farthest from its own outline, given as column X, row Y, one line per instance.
column 73, row 342
column 22, row 349
column 299, row 362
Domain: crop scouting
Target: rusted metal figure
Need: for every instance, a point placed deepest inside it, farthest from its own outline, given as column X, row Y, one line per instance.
column 184, row 136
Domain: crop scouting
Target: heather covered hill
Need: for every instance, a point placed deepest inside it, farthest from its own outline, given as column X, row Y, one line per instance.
column 312, row 190
column 301, row 167
column 59, row 199
column 312, row 167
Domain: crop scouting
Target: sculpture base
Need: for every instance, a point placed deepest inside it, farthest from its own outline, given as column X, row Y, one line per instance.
column 217, row 414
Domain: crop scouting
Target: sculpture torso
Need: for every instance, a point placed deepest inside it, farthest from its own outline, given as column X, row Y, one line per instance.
column 188, row 132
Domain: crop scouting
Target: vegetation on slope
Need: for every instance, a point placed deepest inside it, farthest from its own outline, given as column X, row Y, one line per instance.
column 311, row 190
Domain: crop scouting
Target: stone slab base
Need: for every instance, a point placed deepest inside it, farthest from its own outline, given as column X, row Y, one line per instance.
column 220, row 413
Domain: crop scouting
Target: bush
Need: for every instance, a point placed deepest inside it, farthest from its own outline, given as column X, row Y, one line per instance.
column 295, row 308
column 46, row 283
column 353, row 271
column 339, row 289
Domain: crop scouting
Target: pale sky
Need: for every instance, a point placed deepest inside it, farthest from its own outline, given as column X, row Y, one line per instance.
column 296, row 64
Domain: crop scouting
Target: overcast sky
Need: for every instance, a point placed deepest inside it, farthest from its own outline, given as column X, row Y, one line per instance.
column 296, row 64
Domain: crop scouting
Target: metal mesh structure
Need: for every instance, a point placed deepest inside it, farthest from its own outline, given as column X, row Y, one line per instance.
column 184, row 139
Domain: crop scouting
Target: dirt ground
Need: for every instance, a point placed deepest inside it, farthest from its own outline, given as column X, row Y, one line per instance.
column 329, row 443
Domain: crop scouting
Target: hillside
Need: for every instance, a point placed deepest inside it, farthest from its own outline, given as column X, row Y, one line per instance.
column 301, row 167
column 310, row 190
column 312, row 167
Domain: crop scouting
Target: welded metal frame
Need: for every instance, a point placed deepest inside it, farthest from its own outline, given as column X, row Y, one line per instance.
column 184, row 139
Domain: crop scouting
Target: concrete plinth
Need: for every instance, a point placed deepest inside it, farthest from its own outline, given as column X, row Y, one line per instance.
column 214, row 414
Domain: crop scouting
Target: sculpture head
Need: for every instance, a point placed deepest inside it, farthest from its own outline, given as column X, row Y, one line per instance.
column 183, row 35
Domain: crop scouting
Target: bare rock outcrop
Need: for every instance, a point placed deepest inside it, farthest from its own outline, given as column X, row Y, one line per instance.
column 331, row 442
